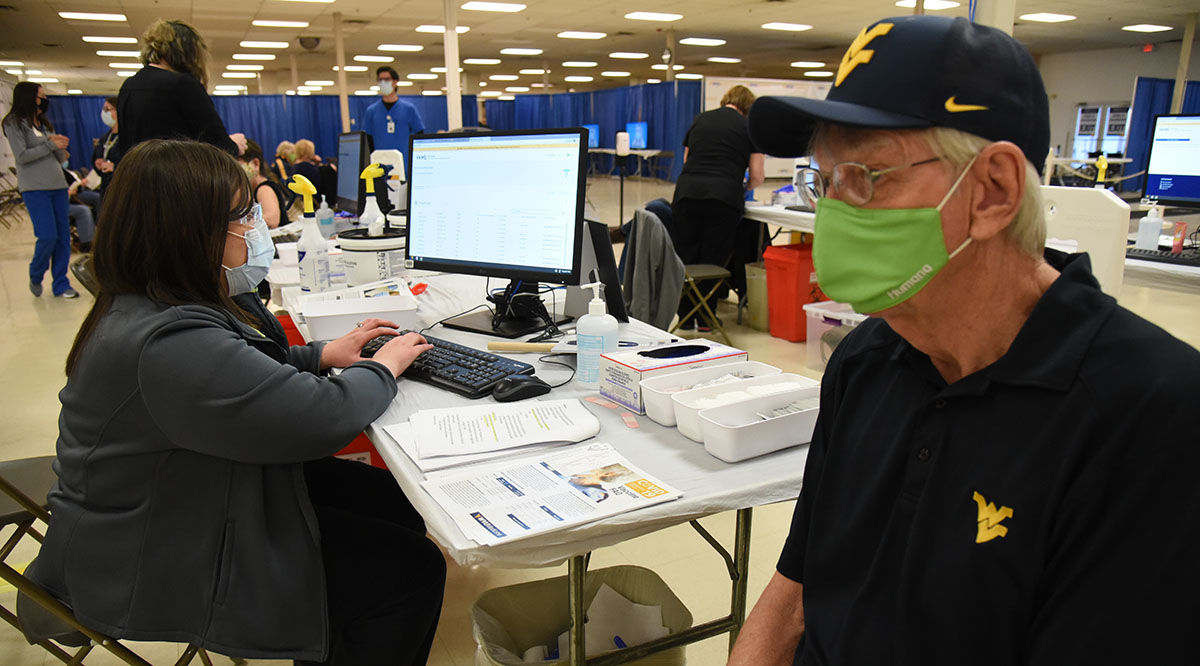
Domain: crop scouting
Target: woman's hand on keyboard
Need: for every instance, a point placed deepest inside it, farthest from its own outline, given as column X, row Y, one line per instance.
column 344, row 351
column 399, row 353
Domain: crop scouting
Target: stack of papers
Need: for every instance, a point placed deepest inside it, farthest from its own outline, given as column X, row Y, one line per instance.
column 512, row 499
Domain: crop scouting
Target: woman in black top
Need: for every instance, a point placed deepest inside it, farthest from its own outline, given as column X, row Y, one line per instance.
column 167, row 98
column 712, row 187
column 267, row 191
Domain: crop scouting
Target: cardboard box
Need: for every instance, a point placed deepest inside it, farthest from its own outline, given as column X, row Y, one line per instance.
column 622, row 372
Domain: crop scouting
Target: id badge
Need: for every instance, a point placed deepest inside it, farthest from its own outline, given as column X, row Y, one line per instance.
column 391, row 126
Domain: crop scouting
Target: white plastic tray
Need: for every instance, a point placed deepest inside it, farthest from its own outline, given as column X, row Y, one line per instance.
column 657, row 400
column 687, row 411
column 735, row 432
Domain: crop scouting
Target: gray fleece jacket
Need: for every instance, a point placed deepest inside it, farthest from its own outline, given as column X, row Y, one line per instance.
column 653, row 272
column 39, row 163
column 181, row 512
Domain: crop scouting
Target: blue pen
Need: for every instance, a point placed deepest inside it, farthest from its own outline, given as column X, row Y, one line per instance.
column 618, row 642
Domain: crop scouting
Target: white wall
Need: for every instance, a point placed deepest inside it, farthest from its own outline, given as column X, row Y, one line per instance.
column 1102, row 76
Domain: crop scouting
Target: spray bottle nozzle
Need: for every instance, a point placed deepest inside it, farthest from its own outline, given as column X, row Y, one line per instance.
column 304, row 187
column 369, row 174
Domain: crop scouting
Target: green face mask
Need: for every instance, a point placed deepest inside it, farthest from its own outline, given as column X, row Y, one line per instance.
column 875, row 258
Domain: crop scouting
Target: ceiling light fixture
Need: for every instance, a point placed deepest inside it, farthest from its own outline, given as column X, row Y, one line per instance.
column 628, row 55
column 818, row 74
column 11, row 63
column 318, row 83
column 724, row 60
column 229, row 86
column 365, row 93
column 653, row 16
column 579, row 63
column 1146, row 27
column 84, row 16
column 931, row 5
column 506, row 98
column 41, row 79
column 506, row 7
column 96, row 39
column 664, row 67
column 702, row 41
column 118, row 54
column 533, row 72
column 614, row 74
column 123, row 65
column 266, row 57
column 405, row 48
column 653, row 80
column 517, row 89
column 125, row 75
column 372, row 58
column 74, row 91
column 441, row 29
column 481, row 61
column 490, row 93
column 503, row 77
column 577, row 34
column 807, row 64
column 421, row 76
column 353, row 68
column 687, row 75
column 280, row 24
column 1047, row 17
column 521, row 52
column 577, row 79
column 244, row 68
column 238, row 75
column 263, row 45
column 793, row 27
column 431, row 93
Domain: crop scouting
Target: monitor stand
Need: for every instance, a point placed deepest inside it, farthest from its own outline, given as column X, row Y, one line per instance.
column 524, row 321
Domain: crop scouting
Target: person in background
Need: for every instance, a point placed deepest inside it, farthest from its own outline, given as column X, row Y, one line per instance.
column 107, row 152
column 194, row 458
column 167, row 99
column 40, row 154
column 391, row 120
column 79, row 211
column 306, row 163
column 711, row 191
column 285, row 154
column 267, row 191
column 1003, row 470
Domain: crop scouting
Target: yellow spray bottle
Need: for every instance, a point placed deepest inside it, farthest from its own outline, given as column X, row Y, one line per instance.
column 312, row 250
column 372, row 217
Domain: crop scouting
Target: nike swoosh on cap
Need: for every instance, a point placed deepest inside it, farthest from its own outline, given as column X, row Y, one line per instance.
column 954, row 107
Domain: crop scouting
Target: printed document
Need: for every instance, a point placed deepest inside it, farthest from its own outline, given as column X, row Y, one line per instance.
column 403, row 434
column 507, row 499
column 457, row 431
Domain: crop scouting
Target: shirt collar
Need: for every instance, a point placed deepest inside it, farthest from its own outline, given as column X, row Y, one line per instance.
column 1052, row 343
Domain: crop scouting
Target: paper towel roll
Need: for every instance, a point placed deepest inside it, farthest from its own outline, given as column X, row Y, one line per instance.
column 622, row 144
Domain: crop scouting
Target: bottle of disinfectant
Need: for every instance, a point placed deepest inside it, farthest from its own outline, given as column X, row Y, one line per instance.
column 372, row 217
column 596, row 334
column 1149, row 229
column 312, row 249
column 325, row 218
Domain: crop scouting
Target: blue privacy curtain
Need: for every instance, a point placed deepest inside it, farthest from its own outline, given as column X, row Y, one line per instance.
column 667, row 108
column 267, row 119
column 1152, row 97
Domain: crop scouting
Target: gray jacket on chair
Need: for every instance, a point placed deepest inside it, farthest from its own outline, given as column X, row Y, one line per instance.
column 653, row 272
column 181, row 512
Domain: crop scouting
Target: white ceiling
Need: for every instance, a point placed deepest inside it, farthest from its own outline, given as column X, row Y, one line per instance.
column 31, row 31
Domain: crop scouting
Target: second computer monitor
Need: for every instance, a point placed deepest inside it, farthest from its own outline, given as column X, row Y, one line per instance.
column 593, row 135
column 637, row 135
column 354, row 148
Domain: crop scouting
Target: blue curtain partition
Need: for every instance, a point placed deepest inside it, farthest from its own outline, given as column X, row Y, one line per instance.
column 1152, row 97
column 268, row 119
column 667, row 108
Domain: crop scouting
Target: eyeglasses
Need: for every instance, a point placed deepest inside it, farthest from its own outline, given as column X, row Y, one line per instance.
column 854, row 181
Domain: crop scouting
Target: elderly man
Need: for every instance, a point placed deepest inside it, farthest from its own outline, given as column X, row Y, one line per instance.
column 1005, row 466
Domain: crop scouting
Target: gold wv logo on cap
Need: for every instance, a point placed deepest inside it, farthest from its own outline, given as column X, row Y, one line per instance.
column 858, row 54
column 989, row 520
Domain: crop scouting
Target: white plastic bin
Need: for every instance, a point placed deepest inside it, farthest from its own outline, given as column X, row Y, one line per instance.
column 507, row 621
column 656, row 391
column 735, row 432
column 828, row 323
column 687, row 409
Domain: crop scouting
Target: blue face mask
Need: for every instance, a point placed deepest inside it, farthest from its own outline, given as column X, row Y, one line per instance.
column 260, row 251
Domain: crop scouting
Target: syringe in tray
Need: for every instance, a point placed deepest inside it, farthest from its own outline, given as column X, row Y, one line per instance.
column 802, row 405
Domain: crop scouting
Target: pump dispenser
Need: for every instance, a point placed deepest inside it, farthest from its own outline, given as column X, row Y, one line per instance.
column 372, row 217
column 312, row 249
column 325, row 218
column 596, row 334
column 1149, row 229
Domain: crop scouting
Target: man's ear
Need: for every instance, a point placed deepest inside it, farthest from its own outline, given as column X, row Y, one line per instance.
column 997, row 182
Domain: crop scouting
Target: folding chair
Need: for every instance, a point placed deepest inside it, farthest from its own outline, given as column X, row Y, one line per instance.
column 43, row 619
column 81, row 268
column 693, row 275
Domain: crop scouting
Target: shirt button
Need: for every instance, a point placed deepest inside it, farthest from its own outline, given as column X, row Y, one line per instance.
column 923, row 455
column 940, row 404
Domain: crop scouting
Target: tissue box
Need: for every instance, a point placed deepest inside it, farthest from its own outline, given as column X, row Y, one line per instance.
column 622, row 372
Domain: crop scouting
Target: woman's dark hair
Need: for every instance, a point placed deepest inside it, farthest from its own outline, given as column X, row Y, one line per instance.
column 179, row 46
column 255, row 152
column 112, row 101
column 166, row 214
column 25, row 107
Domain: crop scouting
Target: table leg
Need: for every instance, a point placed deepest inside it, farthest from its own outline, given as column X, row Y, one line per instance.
column 741, row 559
column 576, row 569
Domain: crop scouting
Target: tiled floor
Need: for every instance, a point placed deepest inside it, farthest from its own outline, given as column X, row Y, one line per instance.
column 38, row 332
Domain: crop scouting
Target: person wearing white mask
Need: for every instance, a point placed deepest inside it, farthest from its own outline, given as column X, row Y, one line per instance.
column 391, row 120
column 107, row 152
column 194, row 456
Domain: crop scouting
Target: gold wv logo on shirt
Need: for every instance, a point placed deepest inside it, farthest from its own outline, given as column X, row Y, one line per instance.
column 989, row 520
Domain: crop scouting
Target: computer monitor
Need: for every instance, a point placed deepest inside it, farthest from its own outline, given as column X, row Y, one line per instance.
column 354, row 149
column 1173, row 171
column 637, row 135
column 505, row 205
column 593, row 135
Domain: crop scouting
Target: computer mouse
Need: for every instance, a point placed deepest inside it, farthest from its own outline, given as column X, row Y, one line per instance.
column 519, row 387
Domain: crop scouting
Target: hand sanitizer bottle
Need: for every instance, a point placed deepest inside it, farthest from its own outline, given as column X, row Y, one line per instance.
column 1149, row 229
column 596, row 334
column 325, row 219
column 312, row 249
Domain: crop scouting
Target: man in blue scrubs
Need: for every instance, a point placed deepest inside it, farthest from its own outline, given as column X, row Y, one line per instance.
column 391, row 120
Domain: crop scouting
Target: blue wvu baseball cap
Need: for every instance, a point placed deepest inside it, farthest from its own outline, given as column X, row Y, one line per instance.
column 912, row 72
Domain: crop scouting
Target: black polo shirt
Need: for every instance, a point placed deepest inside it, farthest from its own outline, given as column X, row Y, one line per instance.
column 1044, row 510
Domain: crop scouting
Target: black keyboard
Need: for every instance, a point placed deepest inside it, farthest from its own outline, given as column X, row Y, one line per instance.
column 455, row 367
column 1185, row 258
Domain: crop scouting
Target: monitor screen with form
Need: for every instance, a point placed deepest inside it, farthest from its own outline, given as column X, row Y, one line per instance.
column 505, row 204
column 1173, row 171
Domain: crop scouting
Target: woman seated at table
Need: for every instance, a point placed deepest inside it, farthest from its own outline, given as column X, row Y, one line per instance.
column 196, row 498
